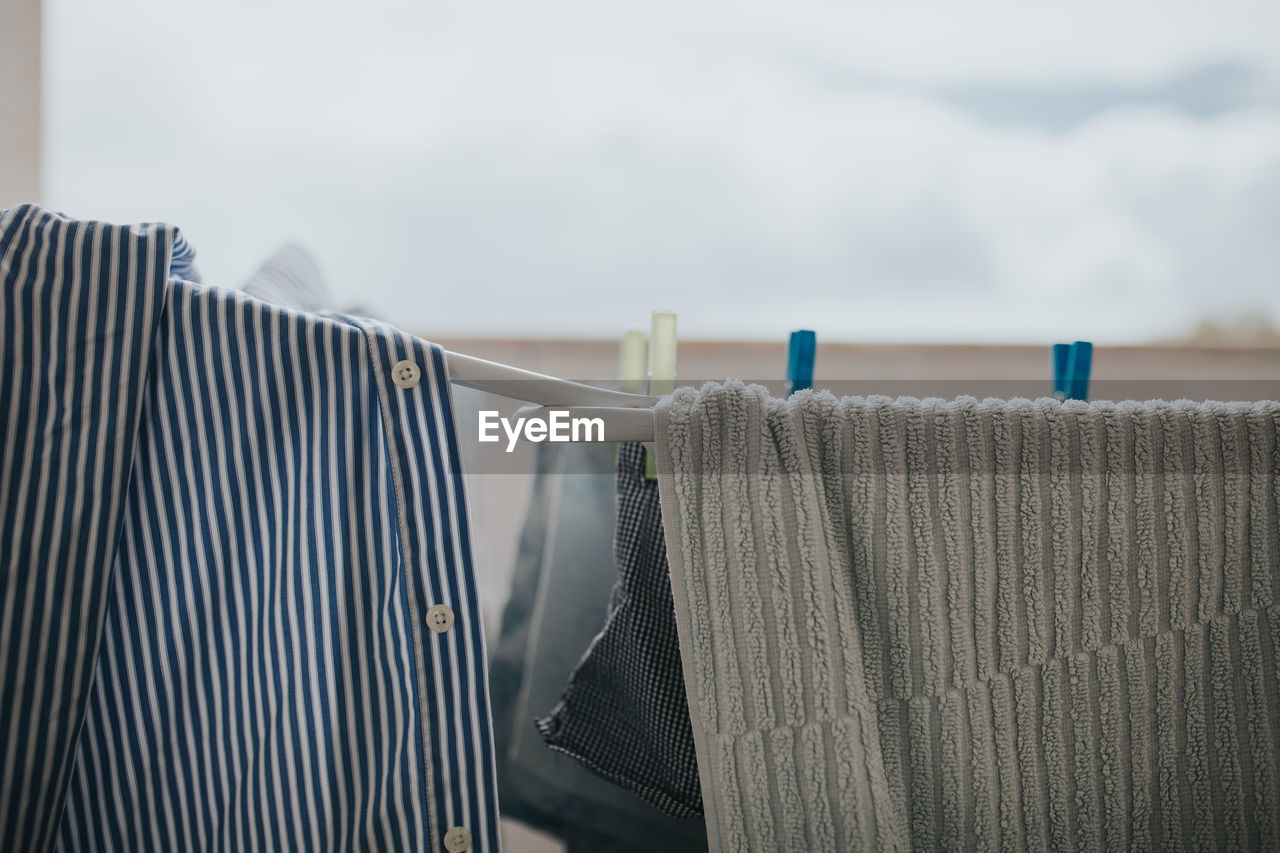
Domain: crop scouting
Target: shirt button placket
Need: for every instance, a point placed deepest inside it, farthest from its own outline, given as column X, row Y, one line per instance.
column 405, row 374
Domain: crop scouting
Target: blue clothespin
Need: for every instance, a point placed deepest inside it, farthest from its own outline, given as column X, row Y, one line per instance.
column 1071, row 363
column 1078, row 370
column 1061, row 362
column 800, row 353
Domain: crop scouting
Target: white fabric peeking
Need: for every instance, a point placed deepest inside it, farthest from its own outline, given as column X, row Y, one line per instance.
column 918, row 624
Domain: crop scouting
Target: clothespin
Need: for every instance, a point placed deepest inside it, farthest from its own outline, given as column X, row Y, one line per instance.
column 800, row 354
column 631, row 366
column 662, row 353
column 1071, row 364
column 1061, row 362
column 1078, row 371
column 662, row 367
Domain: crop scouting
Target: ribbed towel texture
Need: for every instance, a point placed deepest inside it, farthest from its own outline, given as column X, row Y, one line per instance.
column 921, row 624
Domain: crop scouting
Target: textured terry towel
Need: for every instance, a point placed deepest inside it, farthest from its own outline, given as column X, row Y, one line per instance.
column 919, row 624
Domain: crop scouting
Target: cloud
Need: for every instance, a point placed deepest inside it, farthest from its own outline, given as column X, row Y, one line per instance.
column 563, row 168
column 1205, row 93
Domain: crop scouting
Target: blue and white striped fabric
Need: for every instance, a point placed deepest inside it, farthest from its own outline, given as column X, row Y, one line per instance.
column 224, row 524
column 182, row 259
column 290, row 277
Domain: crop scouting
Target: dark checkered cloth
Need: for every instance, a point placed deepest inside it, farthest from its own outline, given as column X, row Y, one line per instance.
column 624, row 713
column 560, row 591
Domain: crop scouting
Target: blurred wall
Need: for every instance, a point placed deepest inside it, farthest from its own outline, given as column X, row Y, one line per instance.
column 20, row 94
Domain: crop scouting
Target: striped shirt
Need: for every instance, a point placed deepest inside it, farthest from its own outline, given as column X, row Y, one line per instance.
column 237, row 608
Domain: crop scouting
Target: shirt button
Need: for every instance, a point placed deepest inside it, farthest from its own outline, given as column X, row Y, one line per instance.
column 440, row 619
column 457, row 839
column 405, row 374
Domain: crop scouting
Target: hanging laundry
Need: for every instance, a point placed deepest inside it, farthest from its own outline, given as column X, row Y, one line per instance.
column 237, row 606
column 562, row 586
column 923, row 624
column 291, row 277
column 182, row 259
column 624, row 712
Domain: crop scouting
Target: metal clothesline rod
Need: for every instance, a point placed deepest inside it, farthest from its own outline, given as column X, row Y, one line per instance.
column 622, row 416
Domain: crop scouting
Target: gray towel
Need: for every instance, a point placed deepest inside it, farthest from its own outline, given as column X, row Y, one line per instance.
column 919, row 624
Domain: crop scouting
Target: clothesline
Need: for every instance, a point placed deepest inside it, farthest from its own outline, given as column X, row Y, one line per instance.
column 624, row 417
column 238, row 600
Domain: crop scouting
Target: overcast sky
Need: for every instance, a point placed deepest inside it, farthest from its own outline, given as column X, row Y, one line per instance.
column 1001, row 172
